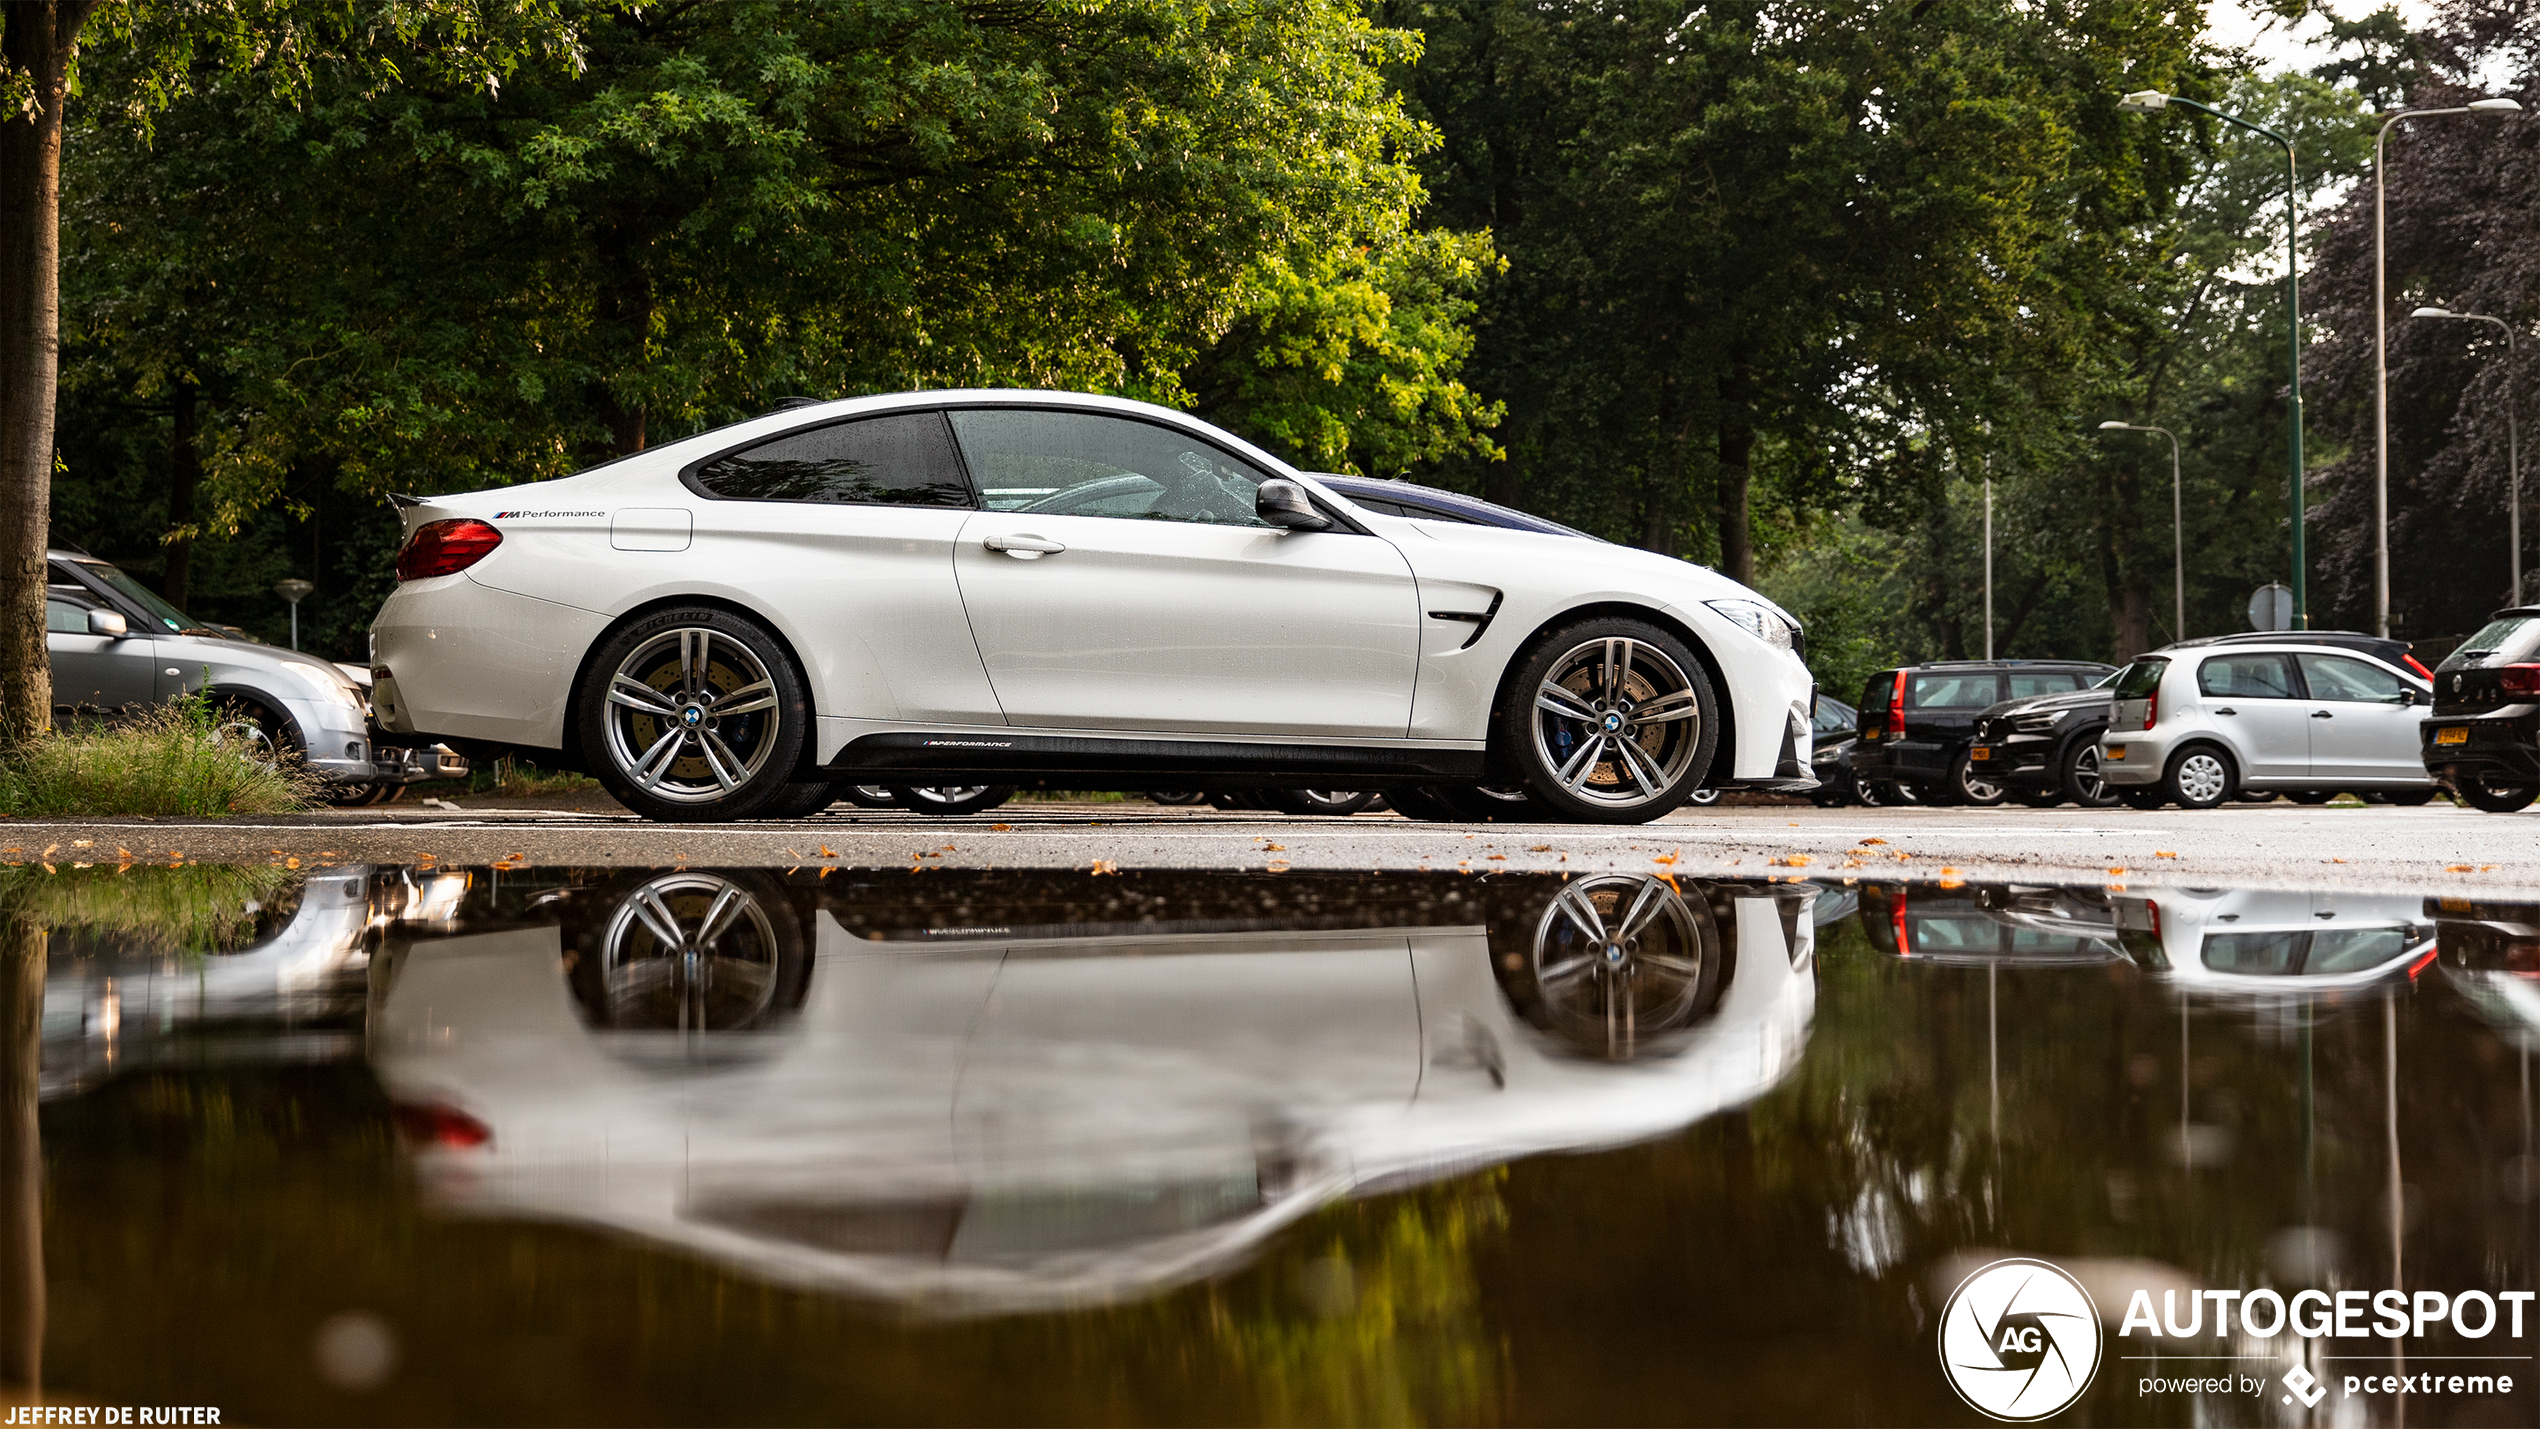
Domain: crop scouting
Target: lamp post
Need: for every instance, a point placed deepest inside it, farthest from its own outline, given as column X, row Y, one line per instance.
column 2513, row 433
column 2178, row 517
column 2153, row 101
column 2381, row 368
column 294, row 590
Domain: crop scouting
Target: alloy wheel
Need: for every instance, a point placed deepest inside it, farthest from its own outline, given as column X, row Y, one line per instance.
column 1618, row 959
column 692, row 715
column 2086, row 778
column 1617, row 722
column 689, row 952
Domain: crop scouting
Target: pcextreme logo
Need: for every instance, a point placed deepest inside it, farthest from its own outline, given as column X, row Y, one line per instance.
column 2019, row 1340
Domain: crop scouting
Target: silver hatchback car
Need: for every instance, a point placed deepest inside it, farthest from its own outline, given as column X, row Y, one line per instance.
column 2200, row 722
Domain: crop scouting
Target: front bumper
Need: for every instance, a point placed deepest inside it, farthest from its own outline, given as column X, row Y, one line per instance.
column 2020, row 761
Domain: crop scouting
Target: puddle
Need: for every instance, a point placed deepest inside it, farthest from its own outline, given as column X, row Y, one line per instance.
column 392, row 1145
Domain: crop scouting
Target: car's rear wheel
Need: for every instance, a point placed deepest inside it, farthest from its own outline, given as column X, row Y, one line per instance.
column 970, row 799
column 2495, row 793
column 2199, row 777
column 1610, row 721
column 1967, row 785
column 694, row 714
column 1337, row 803
column 2083, row 783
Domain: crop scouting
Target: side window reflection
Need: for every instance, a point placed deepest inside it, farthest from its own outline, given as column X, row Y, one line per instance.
column 1079, row 464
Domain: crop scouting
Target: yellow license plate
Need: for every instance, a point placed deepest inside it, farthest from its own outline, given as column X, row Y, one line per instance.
column 1869, row 734
column 2114, row 751
column 2454, row 735
column 1979, row 753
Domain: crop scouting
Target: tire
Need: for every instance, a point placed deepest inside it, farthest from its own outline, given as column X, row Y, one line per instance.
column 1703, row 798
column 1965, row 787
column 1882, row 794
column 2199, row 777
column 1176, row 798
column 2312, row 796
column 256, row 731
column 1306, row 803
column 2409, row 798
column 1424, row 805
column 1491, row 803
column 801, row 801
column 359, row 796
column 2080, row 776
column 2485, row 791
column 1609, row 721
column 2144, row 797
column 867, row 796
column 693, row 714
column 696, row 952
column 969, row 799
column 2039, row 798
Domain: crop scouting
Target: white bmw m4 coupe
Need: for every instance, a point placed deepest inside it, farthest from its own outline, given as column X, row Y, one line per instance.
column 1061, row 591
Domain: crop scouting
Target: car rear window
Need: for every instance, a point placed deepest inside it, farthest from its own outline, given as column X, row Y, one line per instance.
column 2025, row 683
column 2140, row 680
column 2511, row 637
column 1952, row 689
column 906, row 459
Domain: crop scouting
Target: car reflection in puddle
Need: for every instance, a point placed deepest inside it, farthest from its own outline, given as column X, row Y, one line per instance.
column 963, row 1117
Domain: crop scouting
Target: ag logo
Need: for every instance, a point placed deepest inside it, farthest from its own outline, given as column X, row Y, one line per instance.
column 2020, row 1340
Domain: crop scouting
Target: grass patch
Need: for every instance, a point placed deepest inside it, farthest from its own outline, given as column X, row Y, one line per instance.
column 166, row 762
column 195, row 908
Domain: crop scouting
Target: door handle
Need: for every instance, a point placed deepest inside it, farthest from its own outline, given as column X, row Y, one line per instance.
column 2228, row 712
column 1024, row 548
column 2322, row 714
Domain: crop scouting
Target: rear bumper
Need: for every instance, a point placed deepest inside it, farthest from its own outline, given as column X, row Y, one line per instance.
column 395, row 765
column 2019, row 762
column 1907, row 761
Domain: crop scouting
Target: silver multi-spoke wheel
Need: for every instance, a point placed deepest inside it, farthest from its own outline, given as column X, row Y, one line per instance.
column 1617, row 722
column 1619, row 959
column 692, row 715
column 691, row 952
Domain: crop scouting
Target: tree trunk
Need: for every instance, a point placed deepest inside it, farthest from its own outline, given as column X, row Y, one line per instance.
column 626, row 318
column 185, row 473
column 22, row 950
column 38, row 39
column 1737, row 451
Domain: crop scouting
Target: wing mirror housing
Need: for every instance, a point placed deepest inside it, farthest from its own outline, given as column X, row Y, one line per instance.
column 108, row 623
column 2407, row 697
column 1285, row 505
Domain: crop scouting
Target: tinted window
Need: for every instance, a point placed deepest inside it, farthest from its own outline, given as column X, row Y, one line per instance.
column 2341, row 677
column 1107, row 466
column 2266, row 953
column 2511, row 637
column 1832, row 714
column 2247, row 677
column 1952, row 689
column 140, row 595
column 2141, row 680
column 2044, row 682
column 902, row 460
column 62, row 617
column 2347, row 950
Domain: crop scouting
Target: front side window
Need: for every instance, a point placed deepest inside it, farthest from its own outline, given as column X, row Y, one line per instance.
column 2248, row 677
column 63, row 618
column 1094, row 465
column 905, row 459
column 2343, row 677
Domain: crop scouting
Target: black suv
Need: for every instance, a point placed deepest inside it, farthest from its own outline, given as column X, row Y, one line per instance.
column 2482, row 741
column 1917, row 721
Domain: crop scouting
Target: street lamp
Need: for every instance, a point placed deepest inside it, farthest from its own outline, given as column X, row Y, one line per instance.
column 2381, row 368
column 2178, row 516
column 2513, row 432
column 2153, row 101
column 294, row 590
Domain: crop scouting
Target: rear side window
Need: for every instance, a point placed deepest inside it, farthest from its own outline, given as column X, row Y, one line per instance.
column 2141, row 680
column 2342, row 677
column 1952, row 689
column 2044, row 682
column 906, row 459
column 2248, row 677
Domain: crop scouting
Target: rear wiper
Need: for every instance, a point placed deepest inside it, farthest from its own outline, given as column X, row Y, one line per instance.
column 2473, row 654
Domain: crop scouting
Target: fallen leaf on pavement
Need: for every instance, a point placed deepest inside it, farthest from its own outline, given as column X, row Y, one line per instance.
column 1103, row 866
column 1865, row 843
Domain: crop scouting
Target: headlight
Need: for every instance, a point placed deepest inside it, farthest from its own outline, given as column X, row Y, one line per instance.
column 2035, row 724
column 326, row 684
column 1826, row 755
column 1759, row 620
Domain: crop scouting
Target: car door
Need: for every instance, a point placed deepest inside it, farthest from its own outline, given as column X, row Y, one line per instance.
column 95, row 672
column 2257, row 708
column 2363, row 723
column 1143, row 593
column 848, row 527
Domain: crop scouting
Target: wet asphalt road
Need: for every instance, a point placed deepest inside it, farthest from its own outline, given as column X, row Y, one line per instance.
column 2270, row 845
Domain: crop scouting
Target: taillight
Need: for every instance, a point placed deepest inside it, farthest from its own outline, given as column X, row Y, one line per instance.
column 444, row 548
column 432, row 1124
column 2520, row 679
column 2151, row 709
column 1896, row 706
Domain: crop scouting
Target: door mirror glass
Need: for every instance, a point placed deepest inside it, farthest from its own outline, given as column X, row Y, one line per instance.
column 1285, row 505
column 108, row 623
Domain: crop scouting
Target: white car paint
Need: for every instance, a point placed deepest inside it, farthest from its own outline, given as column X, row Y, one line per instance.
column 980, row 1120
column 905, row 621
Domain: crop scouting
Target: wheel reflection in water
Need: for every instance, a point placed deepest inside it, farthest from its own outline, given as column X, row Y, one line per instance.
column 1622, row 960
column 689, row 952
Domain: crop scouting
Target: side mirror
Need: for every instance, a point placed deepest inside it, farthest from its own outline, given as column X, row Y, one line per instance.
column 1285, row 505
column 2407, row 697
column 109, row 624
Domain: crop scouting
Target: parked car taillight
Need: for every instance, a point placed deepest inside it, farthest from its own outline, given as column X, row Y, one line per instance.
column 2520, row 679
column 2151, row 709
column 442, row 548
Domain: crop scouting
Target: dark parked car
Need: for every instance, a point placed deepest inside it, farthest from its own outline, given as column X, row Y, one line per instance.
column 1837, row 729
column 2483, row 739
column 2045, row 750
column 1918, row 721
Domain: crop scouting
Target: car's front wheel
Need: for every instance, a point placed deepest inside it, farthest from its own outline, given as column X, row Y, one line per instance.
column 694, row 714
column 2083, row 784
column 1967, row 785
column 1611, row 721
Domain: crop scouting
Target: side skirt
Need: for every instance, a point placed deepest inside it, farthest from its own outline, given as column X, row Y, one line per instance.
column 1048, row 761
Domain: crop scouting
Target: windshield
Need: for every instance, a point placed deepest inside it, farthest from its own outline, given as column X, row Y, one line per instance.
column 141, row 595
